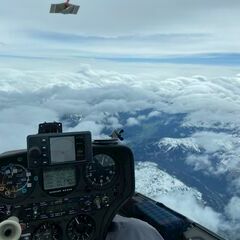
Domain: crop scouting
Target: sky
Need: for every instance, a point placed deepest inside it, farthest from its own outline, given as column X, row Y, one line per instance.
column 199, row 32
column 134, row 55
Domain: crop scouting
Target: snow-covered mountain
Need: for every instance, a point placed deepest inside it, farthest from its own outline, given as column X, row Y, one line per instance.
column 185, row 144
column 155, row 183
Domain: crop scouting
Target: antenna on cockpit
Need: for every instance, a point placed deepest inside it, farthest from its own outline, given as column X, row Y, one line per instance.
column 64, row 8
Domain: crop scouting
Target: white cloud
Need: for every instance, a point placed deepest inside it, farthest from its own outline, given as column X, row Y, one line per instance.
column 89, row 91
column 236, row 180
column 212, row 103
column 225, row 148
column 113, row 123
column 233, row 209
column 26, row 114
column 95, row 129
column 187, row 205
column 13, row 135
column 18, row 122
column 213, row 142
column 153, row 114
column 200, row 163
column 132, row 121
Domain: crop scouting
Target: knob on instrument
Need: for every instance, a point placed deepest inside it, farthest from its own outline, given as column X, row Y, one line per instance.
column 10, row 229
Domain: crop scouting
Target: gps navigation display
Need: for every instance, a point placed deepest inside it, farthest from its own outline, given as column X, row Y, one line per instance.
column 62, row 149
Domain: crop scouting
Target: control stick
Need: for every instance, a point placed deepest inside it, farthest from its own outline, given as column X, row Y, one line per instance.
column 10, row 229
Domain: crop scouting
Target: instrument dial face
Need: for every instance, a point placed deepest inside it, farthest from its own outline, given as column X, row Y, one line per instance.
column 48, row 231
column 81, row 227
column 15, row 181
column 101, row 171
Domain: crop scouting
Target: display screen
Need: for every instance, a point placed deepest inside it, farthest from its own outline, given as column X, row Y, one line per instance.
column 62, row 149
column 59, row 178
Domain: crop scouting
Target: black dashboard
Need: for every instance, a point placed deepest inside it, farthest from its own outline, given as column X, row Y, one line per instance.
column 64, row 187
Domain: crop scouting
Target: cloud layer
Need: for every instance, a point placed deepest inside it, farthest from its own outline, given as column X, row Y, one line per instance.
column 209, row 104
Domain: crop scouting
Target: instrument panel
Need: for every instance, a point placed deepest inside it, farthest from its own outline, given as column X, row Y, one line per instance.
column 65, row 200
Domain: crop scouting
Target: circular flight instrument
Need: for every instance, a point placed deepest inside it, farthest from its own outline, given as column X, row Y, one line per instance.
column 81, row 227
column 15, row 181
column 101, row 171
column 48, row 231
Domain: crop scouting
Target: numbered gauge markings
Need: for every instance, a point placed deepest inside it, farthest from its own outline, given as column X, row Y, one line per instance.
column 101, row 171
column 15, row 181
column 48, row 231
